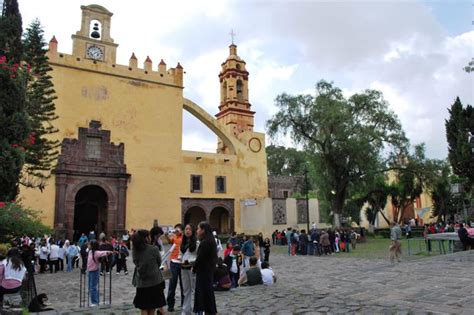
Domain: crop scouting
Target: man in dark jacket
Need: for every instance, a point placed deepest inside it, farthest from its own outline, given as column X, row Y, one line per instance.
column 466, row 241
column 315, row 242
column 248, row 250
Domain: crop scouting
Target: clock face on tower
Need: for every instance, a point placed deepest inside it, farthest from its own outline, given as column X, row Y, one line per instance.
column 95, row 52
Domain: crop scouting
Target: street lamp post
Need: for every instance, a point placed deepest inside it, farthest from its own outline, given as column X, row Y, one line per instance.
column 306, row 191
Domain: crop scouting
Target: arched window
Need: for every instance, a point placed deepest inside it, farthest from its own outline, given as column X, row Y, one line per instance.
column 238, row 66
column 95, row 29
column 239, row 90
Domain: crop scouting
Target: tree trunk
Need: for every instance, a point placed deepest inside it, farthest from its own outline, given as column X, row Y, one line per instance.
column 384, row 217
column 371, row 228
column 337, row 203
column 337, row 220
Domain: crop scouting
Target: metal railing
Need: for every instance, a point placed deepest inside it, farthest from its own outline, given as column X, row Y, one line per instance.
column 445, row 241
column 84, row 291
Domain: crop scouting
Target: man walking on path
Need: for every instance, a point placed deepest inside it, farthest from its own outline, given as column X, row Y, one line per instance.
column 396, row 247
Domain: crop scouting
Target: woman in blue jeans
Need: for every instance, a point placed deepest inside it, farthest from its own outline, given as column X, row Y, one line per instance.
column 71, row 256
column 93, row 265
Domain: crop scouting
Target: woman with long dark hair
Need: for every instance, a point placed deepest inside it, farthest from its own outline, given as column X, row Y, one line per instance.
column 93, row 265
column 147, row 276
column 188, row 252
column 13, row 272
column 204, row 266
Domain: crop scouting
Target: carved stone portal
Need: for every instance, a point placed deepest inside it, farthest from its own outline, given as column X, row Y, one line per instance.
column 91, row 184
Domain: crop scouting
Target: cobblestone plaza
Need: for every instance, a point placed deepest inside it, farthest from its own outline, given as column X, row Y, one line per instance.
column 315, row 285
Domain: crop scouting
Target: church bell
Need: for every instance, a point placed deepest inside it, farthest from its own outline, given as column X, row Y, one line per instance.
column 95, row 34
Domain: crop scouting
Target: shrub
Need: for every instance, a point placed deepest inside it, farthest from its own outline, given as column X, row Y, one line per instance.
column 16, row 220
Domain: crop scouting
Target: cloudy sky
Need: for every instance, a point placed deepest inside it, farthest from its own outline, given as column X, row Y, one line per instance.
column 413, row 51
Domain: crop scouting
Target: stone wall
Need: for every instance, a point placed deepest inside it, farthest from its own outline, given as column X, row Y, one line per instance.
column 279, row 186
column 268, row 215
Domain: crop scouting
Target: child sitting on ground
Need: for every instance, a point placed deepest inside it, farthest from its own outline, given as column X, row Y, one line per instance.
column 268, row 277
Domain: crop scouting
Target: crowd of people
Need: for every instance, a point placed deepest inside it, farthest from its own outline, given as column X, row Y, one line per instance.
column 191, row 257
column 188, row 256
column 465, row 232
column 317, row 241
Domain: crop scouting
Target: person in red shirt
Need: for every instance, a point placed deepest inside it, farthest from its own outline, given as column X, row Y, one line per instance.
column 175, row 240
column 432, row 229
column 228, row 249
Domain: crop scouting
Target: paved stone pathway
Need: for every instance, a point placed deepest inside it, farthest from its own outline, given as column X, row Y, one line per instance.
column 316, row 285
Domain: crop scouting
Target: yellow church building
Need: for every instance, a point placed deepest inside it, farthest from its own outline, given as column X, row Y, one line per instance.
column 121, row 163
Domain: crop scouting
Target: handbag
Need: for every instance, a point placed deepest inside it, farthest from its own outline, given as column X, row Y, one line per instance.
column 165, row 266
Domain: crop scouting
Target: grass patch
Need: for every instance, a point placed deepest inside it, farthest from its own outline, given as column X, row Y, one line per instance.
column 378, row 248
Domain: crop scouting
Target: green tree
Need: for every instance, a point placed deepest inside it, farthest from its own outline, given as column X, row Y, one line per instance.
column 14, row 127
column 16, row 220
column 42, row 150
column 10, row 31
column 285, row 161
column 458, row 127
column 444, row 201
column 346, row 138
column 376, row 199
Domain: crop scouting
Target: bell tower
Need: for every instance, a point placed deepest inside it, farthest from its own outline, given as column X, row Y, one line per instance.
column 234, row 108
column 93, row 40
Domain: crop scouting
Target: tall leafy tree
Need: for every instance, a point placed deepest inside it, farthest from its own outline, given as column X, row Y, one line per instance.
column 10, row 31
column 413, row 175
column 14, row 126
column 459, row 126
column 285, row 161
column 345, row 137
column 444, row 201
column 42, row 150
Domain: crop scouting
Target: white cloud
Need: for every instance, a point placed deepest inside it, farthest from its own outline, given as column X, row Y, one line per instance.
column 397, row 47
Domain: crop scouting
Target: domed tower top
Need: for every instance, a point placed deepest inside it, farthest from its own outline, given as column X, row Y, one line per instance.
column 234, row 108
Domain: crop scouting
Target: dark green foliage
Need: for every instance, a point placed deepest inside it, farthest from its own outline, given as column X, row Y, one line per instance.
column 10, row 31
column 14, row 129
column 409, row 182
column 16, row 220
column 376, row 198
column 458, row 126
column 285, row 161
column 41, row 152
column 344, row 138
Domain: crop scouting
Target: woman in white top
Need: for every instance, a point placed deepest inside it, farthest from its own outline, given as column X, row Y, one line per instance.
column 188, row 252
column 268, row 277
column 43, row 256
column 53, row 256
column 13, row 273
